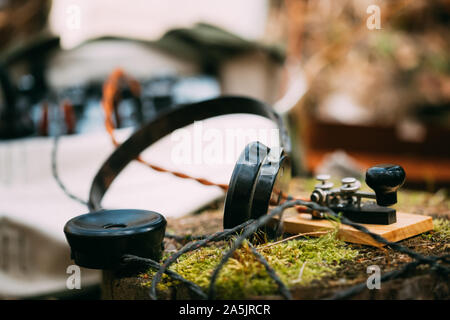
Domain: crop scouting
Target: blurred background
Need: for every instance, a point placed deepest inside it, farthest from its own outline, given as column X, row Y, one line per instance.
column 360, row 82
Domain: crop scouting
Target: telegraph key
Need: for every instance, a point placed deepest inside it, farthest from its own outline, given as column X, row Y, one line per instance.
column 376, row 215
column 385, row 180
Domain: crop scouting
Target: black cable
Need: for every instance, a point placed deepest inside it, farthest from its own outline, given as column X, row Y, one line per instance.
column 56, row 174
column 128, row 259
column 272, row 273
column 218, row 236
column 248, row 231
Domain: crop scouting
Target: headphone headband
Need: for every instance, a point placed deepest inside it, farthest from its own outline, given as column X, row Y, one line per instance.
column 164, row 124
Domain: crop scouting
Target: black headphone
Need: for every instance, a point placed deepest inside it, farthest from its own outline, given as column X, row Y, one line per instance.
column 98, row 239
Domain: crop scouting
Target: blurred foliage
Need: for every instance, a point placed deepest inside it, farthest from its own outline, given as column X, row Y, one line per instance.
column 399, row 71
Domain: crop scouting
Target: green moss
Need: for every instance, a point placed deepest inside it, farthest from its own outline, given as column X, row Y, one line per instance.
column 297, row 262
column 442, row 228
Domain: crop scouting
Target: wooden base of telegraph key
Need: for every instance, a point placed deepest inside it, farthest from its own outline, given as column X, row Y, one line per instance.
column 407, row 225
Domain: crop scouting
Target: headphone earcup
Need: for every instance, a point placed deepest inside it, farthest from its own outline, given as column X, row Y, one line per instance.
column 99, row 239
column 241, row 187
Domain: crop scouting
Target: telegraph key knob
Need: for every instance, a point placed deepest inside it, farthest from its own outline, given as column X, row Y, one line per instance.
column 385, row 180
